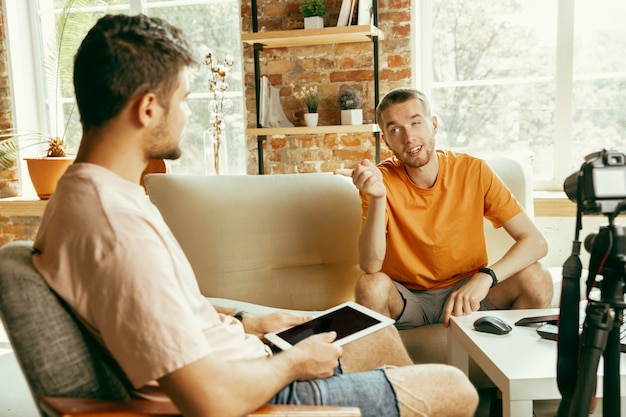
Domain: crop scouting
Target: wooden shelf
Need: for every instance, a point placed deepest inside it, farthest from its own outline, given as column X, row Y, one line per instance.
column 308, row 37
column 306, row 130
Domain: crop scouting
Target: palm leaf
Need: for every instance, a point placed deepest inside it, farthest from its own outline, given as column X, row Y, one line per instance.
column 75, row 19
column 10, row 141
column 9, row 148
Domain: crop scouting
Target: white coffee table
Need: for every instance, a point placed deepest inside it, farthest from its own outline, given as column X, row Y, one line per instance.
column 521, row 364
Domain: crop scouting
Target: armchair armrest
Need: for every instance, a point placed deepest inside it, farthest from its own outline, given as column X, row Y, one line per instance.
column 89, row 407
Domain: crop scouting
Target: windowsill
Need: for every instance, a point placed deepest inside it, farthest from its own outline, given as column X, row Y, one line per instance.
column 553, row 204
column 547, row 204
column 21, row 206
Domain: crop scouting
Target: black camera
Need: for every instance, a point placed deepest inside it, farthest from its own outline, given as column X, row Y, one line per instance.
column 600, row 184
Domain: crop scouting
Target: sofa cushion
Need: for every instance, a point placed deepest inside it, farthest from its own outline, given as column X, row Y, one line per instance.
column 286, row 241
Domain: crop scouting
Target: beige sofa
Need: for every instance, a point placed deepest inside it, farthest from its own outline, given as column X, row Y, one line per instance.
column 290, row 241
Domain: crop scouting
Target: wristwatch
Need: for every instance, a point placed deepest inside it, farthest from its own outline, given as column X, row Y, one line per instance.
column 239, row 315
column 490, row 272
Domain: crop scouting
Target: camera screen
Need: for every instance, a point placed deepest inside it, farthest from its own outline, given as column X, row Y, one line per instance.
column 609, row 182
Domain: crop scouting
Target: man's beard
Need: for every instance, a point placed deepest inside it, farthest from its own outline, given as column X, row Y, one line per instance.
column 417, row 163
column 155, row 150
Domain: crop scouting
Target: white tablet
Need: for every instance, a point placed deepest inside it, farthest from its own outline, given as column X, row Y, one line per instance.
column 350, row 320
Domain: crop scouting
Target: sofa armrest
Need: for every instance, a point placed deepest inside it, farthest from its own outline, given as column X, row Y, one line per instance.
column 89, row 407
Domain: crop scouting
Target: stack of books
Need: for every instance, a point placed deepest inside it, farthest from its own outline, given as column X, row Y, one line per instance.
column 356, row 12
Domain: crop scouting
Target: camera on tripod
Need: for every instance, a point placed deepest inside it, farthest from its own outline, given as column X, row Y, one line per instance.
column 600, row 184
column 599, row 187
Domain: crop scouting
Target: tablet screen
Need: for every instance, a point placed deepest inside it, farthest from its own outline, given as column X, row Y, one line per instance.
column 349, row 320
column 345, row 321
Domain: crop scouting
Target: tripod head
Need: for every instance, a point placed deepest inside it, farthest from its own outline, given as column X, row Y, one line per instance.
column 608, row 256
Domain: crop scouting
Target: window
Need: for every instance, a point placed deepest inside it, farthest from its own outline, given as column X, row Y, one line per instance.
column 542, row 80
column 210, row 25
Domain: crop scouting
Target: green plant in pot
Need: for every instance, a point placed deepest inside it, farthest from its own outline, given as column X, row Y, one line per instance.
column 45, row 171
column 349, row 101
column 313, row 12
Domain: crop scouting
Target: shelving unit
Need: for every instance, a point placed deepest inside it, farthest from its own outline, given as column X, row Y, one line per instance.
column 310, row 37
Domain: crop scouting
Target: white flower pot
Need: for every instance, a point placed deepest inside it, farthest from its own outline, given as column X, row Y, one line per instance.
column 352, row 117
column 311, row 119
column 313, row 22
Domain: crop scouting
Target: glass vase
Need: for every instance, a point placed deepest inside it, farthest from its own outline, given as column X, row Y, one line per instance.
column 215, row 155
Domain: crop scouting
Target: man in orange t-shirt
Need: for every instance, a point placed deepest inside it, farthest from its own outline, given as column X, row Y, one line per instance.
column 422, row 244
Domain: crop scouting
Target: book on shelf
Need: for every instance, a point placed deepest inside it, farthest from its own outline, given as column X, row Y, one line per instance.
column 365, row 13
column 356, row 12
column 271, row 113
column 344, row 13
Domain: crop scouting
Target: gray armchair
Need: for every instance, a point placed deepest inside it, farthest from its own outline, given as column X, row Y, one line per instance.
column 66, row 370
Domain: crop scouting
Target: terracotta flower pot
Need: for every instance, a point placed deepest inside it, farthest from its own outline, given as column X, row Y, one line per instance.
column 45, row 173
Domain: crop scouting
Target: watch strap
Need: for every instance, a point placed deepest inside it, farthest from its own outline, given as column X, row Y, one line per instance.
column 490, row 272
column 239, row 315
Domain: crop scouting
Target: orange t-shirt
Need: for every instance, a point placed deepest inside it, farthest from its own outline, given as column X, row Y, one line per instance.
column 435, row 236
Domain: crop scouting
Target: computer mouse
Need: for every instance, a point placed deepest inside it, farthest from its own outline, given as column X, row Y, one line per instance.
column 491, row 324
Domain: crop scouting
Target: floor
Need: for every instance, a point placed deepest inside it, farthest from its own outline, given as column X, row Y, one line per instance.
column 15, row 399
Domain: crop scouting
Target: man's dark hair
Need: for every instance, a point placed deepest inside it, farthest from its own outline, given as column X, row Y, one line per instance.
column 400, row 95
column 123, row 57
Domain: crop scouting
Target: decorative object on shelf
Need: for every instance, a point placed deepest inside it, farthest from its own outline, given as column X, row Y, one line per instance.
column 214, row 143
column 271, row 113
column 311, row 119
column 45, row 173
column 349, row 101
column 313, row 12
column 311, row 99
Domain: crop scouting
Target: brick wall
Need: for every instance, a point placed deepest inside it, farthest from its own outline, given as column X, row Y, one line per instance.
column 328, row 67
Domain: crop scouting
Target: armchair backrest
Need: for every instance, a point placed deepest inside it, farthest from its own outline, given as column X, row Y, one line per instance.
column 518, row 179
column 56, row 354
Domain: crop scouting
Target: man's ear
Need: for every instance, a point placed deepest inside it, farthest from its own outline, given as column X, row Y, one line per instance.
column 146, row 109
column 435, row 124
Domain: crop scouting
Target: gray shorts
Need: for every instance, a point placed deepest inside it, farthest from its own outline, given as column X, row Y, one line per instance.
column 426, row 307
column 370, row 391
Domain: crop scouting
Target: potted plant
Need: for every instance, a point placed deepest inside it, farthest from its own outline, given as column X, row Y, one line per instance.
column 313, row 12
column 349, row 101
column 45, row 171
column 311, row 99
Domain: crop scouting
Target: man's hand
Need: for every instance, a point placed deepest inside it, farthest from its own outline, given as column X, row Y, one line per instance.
column 366, row 177
column 317, row 356
column 260, row 325
column 467, row 298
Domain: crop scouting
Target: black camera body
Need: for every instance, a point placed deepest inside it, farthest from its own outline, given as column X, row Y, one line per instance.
column 600, row 184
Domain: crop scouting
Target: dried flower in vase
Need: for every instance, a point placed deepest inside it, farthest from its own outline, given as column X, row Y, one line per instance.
column 310, row 97
column 218, row 85
column 349, row 99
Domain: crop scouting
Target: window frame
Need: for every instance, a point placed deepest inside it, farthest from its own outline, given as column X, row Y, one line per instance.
column 26, row 72
column 423, row 79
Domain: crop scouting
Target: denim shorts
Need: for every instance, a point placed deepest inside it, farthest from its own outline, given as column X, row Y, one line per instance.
column 426, row 307
column 370, row 391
